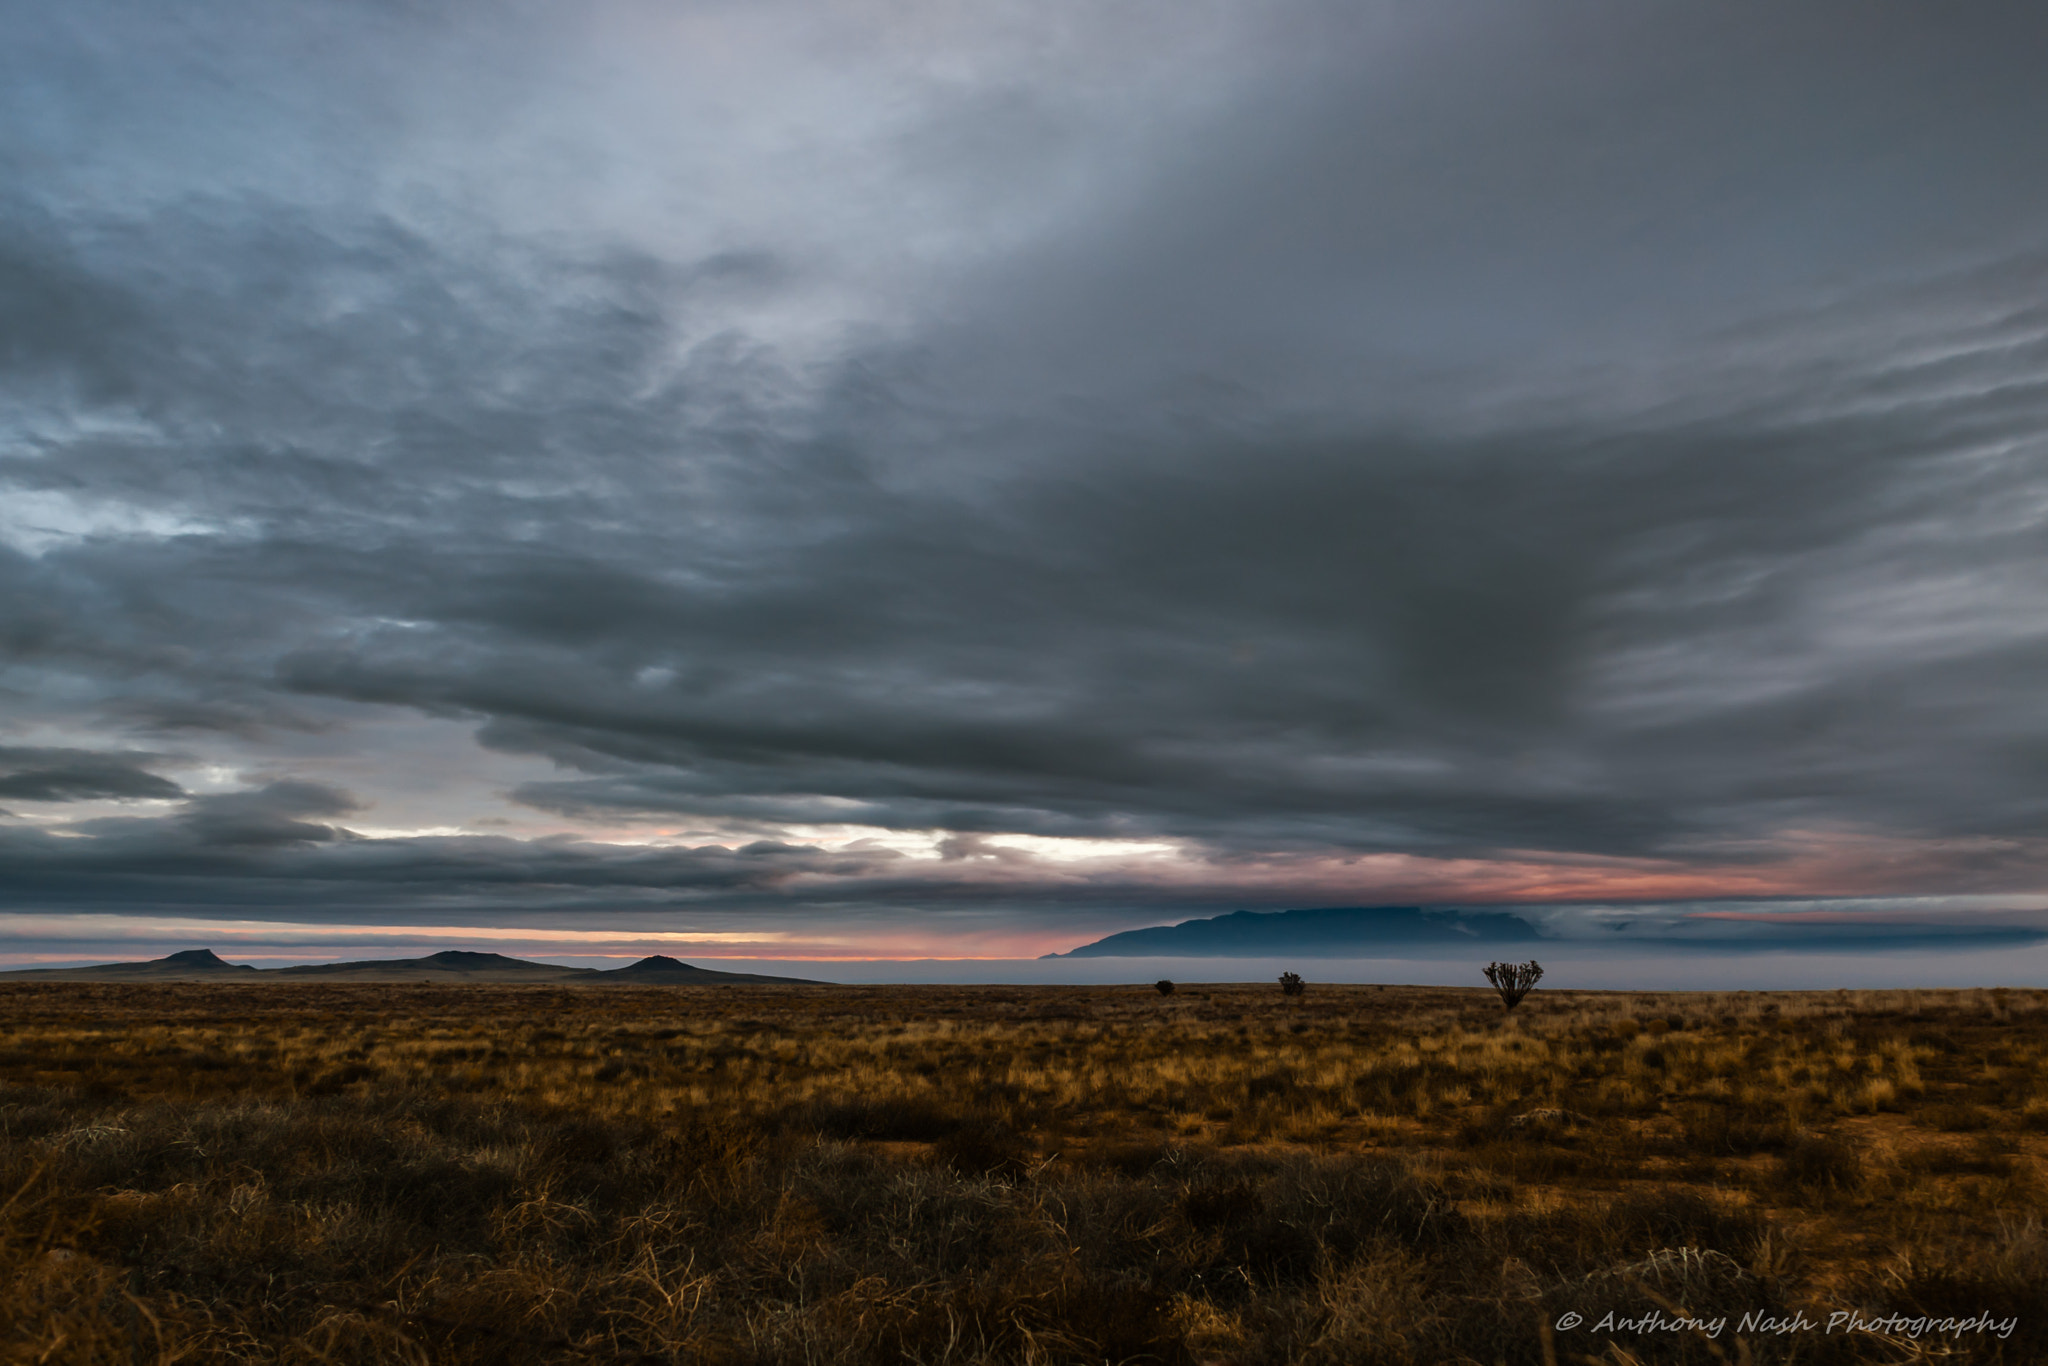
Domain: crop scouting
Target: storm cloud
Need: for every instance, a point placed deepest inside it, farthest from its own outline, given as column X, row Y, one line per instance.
column 69, row 775
column 1089, row 463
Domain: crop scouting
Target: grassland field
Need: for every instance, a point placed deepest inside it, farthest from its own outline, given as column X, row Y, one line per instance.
column 818, row 1175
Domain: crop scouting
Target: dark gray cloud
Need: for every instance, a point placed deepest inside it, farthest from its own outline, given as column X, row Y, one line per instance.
column 70, row 775
column 1610, row 439
column 271, row 815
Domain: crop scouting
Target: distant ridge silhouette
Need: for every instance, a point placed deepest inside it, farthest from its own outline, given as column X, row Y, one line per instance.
column 653, row 965
column 448, row 960
column 1424, row 931
column 1348, row 931
column 659, row 969
column 199, row 960
column 192, row 964
column 449, row 965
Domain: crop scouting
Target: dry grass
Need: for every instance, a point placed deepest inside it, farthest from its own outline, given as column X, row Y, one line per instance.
column 842, row 1175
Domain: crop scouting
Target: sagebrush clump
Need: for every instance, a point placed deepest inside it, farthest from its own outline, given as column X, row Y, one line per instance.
column 1513, row 981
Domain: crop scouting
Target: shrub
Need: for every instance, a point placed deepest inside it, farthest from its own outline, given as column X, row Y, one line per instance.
column 890, row 1118
column 1291, row 984
column 984, row 1148
column 2003, row 1275
column 1818, row 1162
column 1514, row 980
column 1164, row 986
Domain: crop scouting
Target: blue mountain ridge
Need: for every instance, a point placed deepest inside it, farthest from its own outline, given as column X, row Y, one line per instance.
column 1407, row 931
column 1337, row 930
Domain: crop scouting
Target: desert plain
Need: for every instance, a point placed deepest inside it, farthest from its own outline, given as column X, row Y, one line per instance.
column 350, row 1172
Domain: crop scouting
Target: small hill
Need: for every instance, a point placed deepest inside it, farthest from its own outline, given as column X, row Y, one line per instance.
column 196, row 960
column 185, row 965
column 449, row 965
column 661, row 970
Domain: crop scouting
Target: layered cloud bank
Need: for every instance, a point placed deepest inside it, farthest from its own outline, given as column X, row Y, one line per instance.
column 888, row 480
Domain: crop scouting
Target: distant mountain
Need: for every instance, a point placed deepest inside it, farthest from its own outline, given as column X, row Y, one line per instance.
column 1422, row 932
column 1344, row 932
column 450, row 965
column 187, row 965
column 661, row 970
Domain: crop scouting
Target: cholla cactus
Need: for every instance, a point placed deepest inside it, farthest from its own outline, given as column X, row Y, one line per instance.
column 1514, row 980
column 1291, row 984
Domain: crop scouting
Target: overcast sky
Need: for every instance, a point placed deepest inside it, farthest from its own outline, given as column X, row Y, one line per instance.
column 895, row 478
